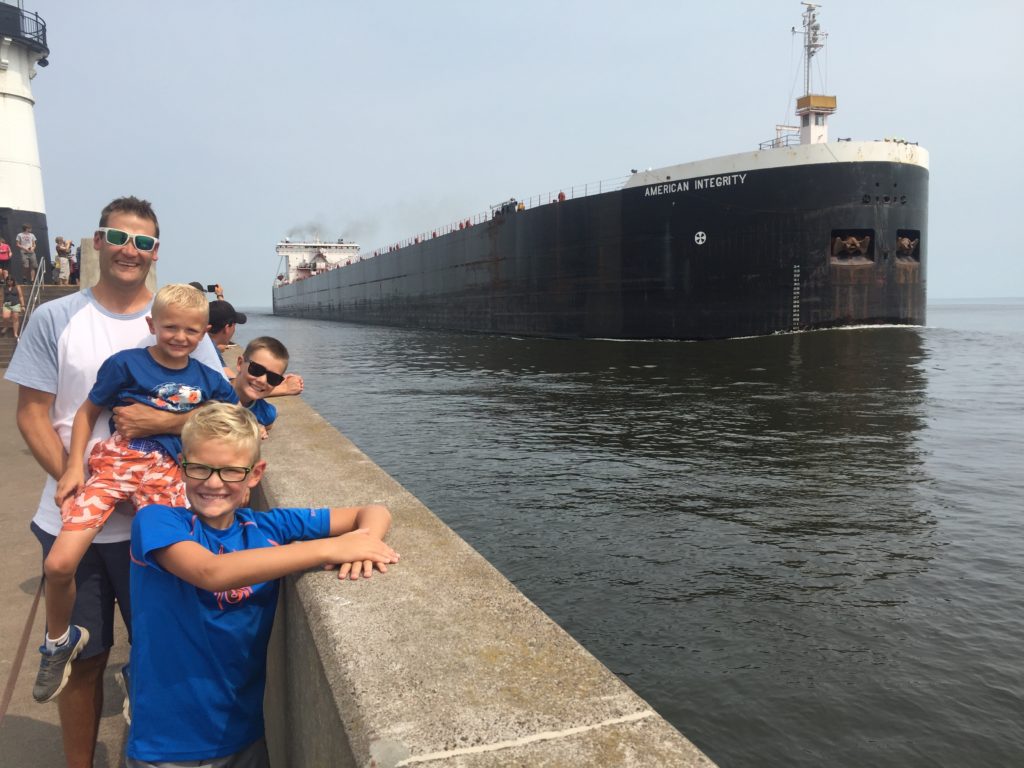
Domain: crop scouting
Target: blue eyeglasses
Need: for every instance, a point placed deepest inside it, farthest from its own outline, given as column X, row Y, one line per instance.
column 120, row 237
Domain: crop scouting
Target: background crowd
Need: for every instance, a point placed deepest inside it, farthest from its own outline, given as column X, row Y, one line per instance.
column 22, row 256
column 21, row 260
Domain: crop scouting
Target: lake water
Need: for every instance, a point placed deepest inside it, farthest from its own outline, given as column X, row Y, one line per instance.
column 802, row 550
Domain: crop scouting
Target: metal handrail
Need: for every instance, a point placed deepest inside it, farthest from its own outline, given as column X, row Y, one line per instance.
column 785, row 140
column 34, row 296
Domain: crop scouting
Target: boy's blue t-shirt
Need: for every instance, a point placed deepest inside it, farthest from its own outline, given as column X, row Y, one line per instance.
column 264, row 412
column 132, row 375
column 198, row 658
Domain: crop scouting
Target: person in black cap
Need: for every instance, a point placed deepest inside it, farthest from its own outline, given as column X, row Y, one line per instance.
column 223, row 319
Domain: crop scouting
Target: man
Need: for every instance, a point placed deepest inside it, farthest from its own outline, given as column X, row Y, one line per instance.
column 223, row 319
column 26, row 244
column 55, row 365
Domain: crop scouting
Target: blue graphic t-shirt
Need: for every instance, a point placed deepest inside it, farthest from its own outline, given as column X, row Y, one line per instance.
column 199, row 658
column 133, row 376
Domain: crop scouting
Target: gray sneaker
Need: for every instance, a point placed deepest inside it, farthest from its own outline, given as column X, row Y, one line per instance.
column 55, row 668
column 124, row 682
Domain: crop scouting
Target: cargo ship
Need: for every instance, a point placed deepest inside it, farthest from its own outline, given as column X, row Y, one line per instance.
column 803, row 233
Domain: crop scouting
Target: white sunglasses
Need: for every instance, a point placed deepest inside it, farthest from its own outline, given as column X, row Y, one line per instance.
column 120, row 237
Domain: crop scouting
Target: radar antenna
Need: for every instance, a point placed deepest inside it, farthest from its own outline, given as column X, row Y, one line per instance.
column 814, row 40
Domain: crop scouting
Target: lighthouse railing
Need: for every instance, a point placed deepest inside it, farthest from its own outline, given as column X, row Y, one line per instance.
column 25, row 26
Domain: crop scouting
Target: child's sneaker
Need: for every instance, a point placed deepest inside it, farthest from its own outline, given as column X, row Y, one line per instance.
column 124, row 682
column 55, row 667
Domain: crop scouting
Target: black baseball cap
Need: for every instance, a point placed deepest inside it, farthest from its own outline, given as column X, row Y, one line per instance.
column 222, row 313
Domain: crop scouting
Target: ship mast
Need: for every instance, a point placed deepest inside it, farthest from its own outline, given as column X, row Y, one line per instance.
column 814, row 41
column 813, row 109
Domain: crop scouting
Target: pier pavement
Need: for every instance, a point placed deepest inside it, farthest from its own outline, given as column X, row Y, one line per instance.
column 30, row 732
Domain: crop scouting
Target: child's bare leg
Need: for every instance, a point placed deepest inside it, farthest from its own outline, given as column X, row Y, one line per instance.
column 63, row 642
column 59, row 568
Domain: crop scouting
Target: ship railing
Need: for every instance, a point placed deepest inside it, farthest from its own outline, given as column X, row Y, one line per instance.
column 784, row 140
column 535, row 201
column 24, row 26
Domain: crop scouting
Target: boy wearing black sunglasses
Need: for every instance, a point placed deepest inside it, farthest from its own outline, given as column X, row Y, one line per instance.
column 261, row 370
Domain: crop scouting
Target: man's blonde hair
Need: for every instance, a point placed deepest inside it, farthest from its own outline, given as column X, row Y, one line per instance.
column 226, row 422
column 181, row 296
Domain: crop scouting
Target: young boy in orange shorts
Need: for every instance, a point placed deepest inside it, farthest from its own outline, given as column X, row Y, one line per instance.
column 144, row 471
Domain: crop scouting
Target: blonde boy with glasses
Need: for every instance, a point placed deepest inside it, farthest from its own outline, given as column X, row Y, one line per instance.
column 142, row 470
column 205, row 585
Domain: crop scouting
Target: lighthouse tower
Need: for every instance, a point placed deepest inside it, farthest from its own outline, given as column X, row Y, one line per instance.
column 22, row 46
column 813, row 109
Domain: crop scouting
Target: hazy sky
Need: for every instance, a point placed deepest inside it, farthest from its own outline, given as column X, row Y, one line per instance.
column 246, row 122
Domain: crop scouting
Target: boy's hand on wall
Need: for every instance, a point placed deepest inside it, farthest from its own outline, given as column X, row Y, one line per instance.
column 358, row 553
column 293, row 384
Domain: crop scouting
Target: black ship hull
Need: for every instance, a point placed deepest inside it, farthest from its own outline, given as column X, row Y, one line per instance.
column 740, row 253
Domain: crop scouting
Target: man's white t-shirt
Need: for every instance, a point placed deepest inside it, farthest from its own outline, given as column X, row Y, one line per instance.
column 25, row 241
column 60, row 351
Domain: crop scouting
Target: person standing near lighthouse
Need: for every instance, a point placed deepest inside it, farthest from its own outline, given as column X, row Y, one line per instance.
column 26, row 245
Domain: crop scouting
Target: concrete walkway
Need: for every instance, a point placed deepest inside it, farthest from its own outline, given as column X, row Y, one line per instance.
column 30, row 732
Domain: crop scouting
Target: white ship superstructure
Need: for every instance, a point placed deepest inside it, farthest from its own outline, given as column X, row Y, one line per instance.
column 302, row 259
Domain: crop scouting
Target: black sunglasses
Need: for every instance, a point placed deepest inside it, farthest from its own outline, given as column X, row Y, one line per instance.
column 257, row 370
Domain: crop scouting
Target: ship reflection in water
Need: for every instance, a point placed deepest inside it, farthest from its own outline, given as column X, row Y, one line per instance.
column 777, row 541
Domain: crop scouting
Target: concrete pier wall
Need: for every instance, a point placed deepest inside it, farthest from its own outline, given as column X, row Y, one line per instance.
column 440, row 662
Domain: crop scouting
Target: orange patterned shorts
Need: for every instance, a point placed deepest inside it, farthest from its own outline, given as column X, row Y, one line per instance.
column 120, row 472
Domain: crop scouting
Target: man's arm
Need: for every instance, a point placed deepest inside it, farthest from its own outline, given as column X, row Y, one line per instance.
column 138, row 420
column 193, row 563
column 34, row 423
